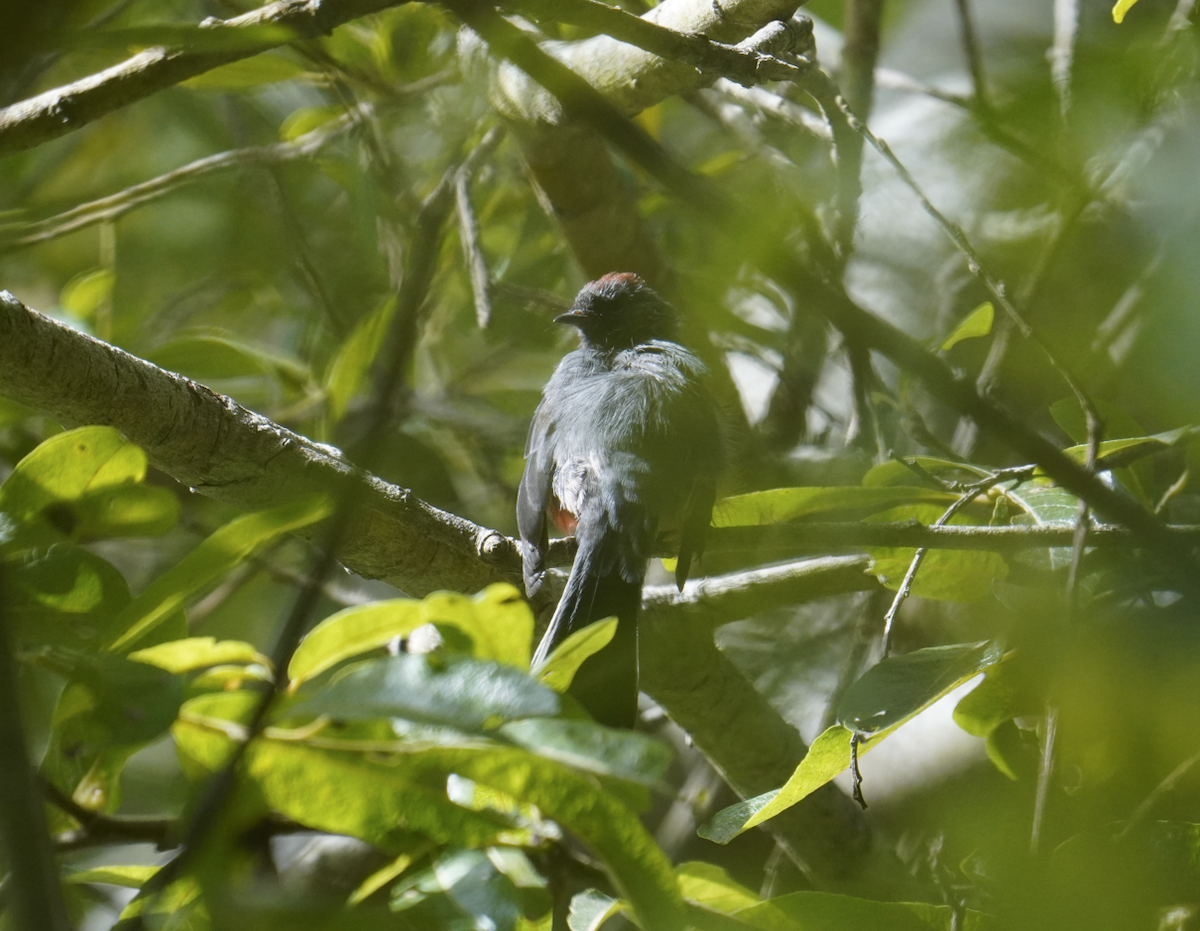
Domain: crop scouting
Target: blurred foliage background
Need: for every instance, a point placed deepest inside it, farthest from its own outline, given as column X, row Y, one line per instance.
column 1066, row 151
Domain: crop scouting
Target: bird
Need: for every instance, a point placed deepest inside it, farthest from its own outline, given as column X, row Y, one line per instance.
column 625, row 443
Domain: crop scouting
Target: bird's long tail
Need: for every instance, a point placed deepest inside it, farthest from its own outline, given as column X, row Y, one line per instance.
column 607, row 682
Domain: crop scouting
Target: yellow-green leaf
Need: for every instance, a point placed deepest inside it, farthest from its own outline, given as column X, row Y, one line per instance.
column 568, row 656
column 1120, row 9
column 977, row 323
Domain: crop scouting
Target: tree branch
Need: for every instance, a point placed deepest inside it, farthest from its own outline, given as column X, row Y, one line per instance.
column 55, row 113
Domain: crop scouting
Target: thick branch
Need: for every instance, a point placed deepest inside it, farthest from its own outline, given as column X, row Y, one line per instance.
column 208, row 442
column 57, row 112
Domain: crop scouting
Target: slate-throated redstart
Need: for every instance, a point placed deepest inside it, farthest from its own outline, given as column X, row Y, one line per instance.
column 625, row 442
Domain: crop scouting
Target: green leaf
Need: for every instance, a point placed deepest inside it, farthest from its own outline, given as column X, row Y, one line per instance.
column 977, row 323
column 66, row 467
column 1115, row 454
column 348, row 372
column 226, row 548
column 462, row 889
column 561, row 665
column 306, row 119
column 827, row 911
column 946, row 575
column 438, row 689
column 350, row 632
column 498, row 620
column 131, row 877
column 87, row 292
column 898, row 688
column 621, row 754
column 192, row 653
column 709, row 885
column 990, row 706
column 783, row 504
column 828, row 756
column 69, row 597
column 267, row 68
column 132, row 703
column 1120, row 8
column 123, row 511
column 895, row 472
column 590, row 909
column 211, row 357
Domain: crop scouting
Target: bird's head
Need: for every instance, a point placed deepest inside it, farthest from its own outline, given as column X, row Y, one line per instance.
column 620, row 311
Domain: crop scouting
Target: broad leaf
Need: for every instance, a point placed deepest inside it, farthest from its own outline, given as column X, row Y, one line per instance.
column 709, row 885
column 590, row 909
column 562, row 664
column 439, row 689
column 977, row 323
column 783, row 504
column 194, row 653
column 586, row 745
column 348, row 372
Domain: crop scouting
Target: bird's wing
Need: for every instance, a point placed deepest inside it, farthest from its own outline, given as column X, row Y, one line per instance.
column 533, row 496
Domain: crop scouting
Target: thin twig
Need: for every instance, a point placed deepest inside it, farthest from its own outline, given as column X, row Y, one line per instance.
column 215, row 42
column 107, row 209
column 468, row 227
column 970, row 42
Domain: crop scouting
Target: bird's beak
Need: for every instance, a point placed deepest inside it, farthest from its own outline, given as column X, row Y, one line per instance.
column 572, row 317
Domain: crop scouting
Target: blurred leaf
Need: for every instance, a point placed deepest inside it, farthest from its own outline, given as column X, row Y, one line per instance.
column 226, row 548
column 133, row 703
column 209, row 357
column 590, row 909
column 562, row 664
column 440, row 689
column 122, row 511
column 194, row 653
column 1069, row 415
column 348, row 372
column 784, row 504
column 990, row 706
column 497, row 620
column 86, row 292
column 947, row 575
column 977, row 323
column 827, row 911
column 586, row 745
column 1115, row 454
column 1120, row 8
column 462, row 888
column 898, row 688
column 68, row 597
column 267, row 68
column 131, row 877
column 709, row 885
column 306, row 119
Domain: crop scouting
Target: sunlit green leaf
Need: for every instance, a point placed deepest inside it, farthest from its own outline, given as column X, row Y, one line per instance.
column 131, row 877
column 562, row 664
column 977, row 323
column 784, row 504
column 68, row 466
column 194, row 653
column 711, row 886
column 1120, row 8
column 225, row 548
column 497, row 620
